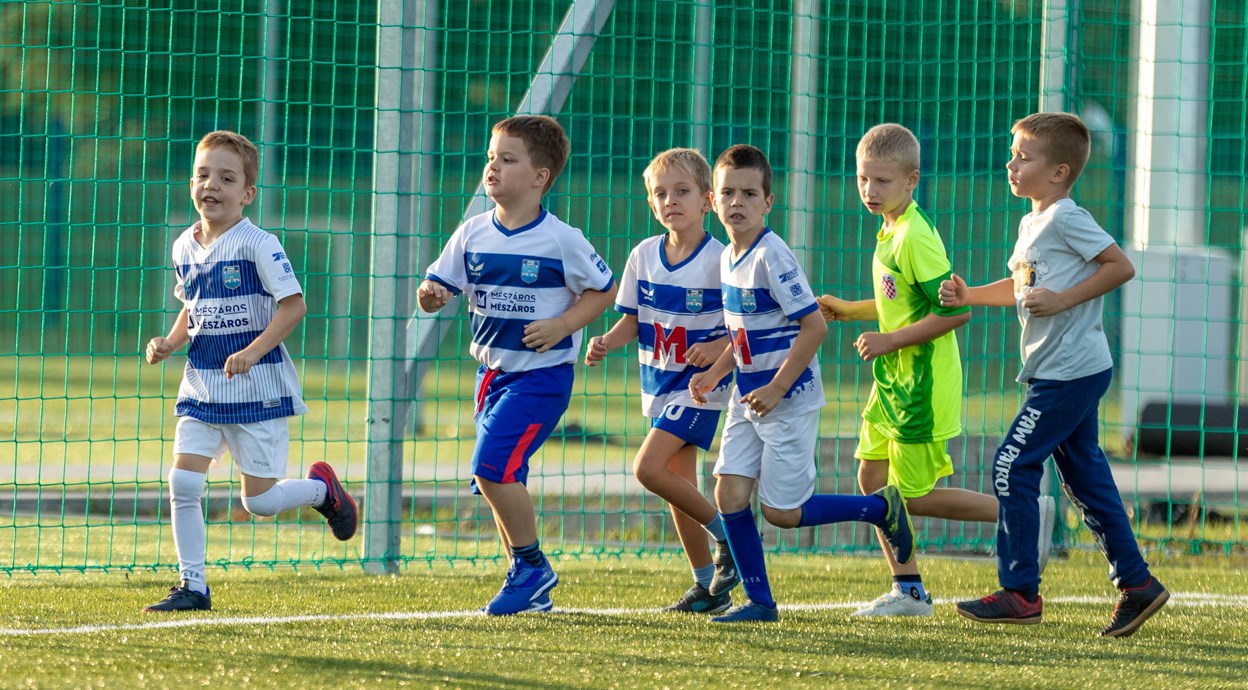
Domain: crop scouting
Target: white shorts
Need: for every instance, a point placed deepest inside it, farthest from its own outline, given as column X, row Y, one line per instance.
column 779, row 454
column 260, row 449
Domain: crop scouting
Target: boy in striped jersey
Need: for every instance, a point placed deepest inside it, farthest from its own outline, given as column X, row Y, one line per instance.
column 241, row 299
column 533, row 283
column 775, row 329
column 670, row 297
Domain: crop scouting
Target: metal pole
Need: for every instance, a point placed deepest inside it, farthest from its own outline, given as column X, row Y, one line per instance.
column 704, row 21
column 1053, row 57
column 268, row 115
column 803, row 111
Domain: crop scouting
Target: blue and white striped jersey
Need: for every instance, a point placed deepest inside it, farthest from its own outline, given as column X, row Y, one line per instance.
column 512, row 278
column 677, row 306
column 231, row 289
column 765, row 293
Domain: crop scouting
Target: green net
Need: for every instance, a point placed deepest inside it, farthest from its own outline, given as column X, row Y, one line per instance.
column 372, row 120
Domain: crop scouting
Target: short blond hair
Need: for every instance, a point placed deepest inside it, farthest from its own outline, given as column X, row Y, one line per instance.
column 239, row 144
column 1061, row 137
column 689, row 161
column 544, row 140
column 890, row 142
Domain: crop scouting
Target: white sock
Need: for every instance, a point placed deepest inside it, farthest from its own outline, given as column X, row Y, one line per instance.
column 186, row 499
column 287, row 494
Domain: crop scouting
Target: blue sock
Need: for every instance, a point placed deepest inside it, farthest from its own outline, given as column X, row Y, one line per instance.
column 716, row 529
column 747, row 551
column 532, row 554
column 704, row 574
column 825, row 509
column 912, row 586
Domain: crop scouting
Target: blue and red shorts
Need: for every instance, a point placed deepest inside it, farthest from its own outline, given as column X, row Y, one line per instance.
column 516, row 412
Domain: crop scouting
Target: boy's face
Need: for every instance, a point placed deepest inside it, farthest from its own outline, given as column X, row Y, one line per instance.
column 1030, row 173
column 509, row 172
column 219, row 188
column 677, row 200
column 885, row 187
column 739, row 199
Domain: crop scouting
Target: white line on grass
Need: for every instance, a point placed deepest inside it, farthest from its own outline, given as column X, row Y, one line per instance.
column 1176, row 599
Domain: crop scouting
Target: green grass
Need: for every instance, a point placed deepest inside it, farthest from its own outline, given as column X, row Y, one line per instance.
column 609, row 634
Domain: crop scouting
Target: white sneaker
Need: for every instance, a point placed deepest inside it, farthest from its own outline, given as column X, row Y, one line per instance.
column 1048, row 512
column 897, row 603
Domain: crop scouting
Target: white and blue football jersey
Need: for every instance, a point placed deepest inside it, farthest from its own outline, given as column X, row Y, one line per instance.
column 677, row 306
column 765, row 293
column 230, row 290
column 512, row 278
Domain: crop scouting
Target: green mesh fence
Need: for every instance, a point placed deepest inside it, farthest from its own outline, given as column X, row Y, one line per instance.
column 373, row 120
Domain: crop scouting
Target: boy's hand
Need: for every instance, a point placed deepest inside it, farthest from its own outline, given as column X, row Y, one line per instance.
column 699, row 385
column 704, row 354
column 954, row 292
column 240, row 362
column 545, row 334
column 763, row 400
column 1043, row 302
column 596, row 352
column 832, row 308
column 158, row 350
column 432, row 295
column 872, row 345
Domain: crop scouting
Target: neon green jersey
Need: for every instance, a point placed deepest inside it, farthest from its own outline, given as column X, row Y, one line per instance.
column 917, row 396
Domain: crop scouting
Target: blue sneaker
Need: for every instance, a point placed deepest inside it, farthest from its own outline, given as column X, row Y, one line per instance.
column 525, row 589
column 749, row 612
column 896, row 525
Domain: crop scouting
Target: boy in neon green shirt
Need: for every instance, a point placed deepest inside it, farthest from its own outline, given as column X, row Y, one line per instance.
column 916, row 401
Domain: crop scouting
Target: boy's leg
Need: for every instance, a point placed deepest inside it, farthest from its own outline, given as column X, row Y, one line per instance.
column 195, row 445
column 698, row 598
column 1088, row 481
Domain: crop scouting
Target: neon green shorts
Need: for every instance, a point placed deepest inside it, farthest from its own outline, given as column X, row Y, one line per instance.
column 914, row 468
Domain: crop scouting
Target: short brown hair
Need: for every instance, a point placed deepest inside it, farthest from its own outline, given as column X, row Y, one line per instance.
column 543, row 138
column 890, row 142
column 689, row 161
column 239, row 144
column 746, row 157
column 1061, row 137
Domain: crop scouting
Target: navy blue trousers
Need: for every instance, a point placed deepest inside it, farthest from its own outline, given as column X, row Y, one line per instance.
column 1059, row 418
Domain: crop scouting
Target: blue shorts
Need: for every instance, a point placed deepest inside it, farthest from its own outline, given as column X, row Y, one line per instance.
column 693, row 425
column 515, row 413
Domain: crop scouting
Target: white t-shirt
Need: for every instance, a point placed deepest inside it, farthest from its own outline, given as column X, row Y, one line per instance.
column 765, row 293
column 1056, row 249
column 677, row 306
column 512, row 278
column 231, row 290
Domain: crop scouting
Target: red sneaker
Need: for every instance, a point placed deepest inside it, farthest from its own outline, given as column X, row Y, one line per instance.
column 1005, row 606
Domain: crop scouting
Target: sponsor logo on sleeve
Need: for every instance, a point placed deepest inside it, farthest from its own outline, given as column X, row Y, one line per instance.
column 788, row 275
column 597, row 261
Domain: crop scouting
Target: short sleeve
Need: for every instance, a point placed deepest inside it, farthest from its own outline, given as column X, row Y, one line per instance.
column 583, row 269
column 1083, row 234
column 626, row 297
column 788, row 285
column 922, row 257
column 450, row 268
column 274, row 269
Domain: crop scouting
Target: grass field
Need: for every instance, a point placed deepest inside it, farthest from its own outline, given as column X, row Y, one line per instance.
column 310, row 628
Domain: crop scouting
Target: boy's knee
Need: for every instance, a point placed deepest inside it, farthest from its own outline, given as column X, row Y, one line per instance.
column 787, row 519
column 266, row 504
column 646, row 474
column 185, row 485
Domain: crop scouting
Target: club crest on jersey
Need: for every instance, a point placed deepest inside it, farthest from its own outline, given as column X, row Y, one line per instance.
column 693, row 300
column 232, row 277
column 890, row 286
column 748, row 302
column 528, row 270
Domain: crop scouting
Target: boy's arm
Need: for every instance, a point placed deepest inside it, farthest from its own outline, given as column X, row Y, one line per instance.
column 290, row 311
column 956, row 293
column 925, row 330
column 837, row 309
column 159, row 349
column 545, row 334
column 812, row 330
column 622, row 333
column 1114, row 270
column 706, row 353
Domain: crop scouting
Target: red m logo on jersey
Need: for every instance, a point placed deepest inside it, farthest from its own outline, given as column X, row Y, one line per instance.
column 664, row 343
column 741, row 343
